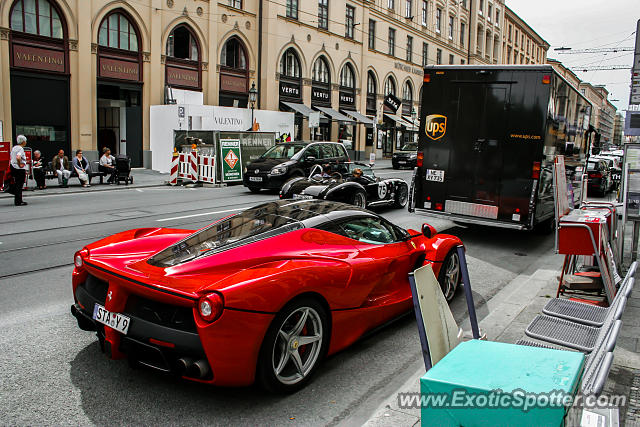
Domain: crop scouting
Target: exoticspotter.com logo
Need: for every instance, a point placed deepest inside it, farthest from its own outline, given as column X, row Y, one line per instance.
column 498, row 399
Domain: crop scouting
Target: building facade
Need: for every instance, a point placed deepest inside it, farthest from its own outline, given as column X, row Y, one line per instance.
column 618, row 130
column 520, row 43
column 82, row 74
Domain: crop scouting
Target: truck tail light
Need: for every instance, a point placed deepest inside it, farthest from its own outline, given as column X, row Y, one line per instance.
column 595, row 175
column 546, row 79
column 535, row 172
column 210, row 307
column 439, row 206
column 426, row 78
column 419, row 159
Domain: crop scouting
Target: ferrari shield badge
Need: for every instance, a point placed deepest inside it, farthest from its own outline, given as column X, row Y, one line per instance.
column 435, row 126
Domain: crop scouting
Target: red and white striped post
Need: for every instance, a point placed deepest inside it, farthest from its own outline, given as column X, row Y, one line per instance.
column 175, row 165
column 193, row 165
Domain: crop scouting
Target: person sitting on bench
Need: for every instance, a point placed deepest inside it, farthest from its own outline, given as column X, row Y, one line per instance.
column 81, row 165
column 107, row 165
column 60, row 166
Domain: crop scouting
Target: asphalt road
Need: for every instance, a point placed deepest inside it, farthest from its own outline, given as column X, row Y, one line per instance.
column 53, row 373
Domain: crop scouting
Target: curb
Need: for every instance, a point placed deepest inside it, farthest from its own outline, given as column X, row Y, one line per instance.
column 40, row 193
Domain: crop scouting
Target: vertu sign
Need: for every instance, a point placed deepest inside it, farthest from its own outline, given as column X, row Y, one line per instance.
column 320, row 94
column 38, row 58
column 289, row 90
column 392, row 102
column 347, row 98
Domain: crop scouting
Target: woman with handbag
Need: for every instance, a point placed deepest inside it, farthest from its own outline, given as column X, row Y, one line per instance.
column 81, row 164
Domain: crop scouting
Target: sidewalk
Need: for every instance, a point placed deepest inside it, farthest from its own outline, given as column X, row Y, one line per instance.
column 141, row 178
column 510, row 311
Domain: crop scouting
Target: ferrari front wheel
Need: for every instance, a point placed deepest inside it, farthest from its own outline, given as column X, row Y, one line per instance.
column 293, row 347
column 449, row 276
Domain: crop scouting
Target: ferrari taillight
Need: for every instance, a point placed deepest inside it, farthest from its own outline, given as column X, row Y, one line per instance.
column 210, row 307
column 78, row 258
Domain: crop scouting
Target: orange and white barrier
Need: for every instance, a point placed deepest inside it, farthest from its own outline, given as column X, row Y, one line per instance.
column 175, row 166
column 193, row 165
column 207, row 169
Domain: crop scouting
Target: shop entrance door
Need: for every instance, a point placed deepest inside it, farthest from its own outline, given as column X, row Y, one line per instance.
column 112, row 126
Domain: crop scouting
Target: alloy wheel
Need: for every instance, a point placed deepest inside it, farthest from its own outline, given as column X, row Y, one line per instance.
column 359, row 200
column 402, row 196
column 297, row 346
column 451, row 276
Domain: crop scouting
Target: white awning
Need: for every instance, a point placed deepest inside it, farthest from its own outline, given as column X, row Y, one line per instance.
column 300, row 108
column 359, row 117
column 335, row 115
column 410, row 125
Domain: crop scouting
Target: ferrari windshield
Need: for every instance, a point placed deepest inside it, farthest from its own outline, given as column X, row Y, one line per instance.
column 282, row 151
column 258, row 223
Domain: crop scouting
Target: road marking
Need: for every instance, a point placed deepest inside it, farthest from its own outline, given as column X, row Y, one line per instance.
column 139, row 190
column 200, row 214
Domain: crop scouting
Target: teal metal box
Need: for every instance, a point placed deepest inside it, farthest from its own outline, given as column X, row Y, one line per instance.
column 501, row 379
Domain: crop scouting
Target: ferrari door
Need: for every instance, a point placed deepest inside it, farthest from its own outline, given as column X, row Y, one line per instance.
column 383, row 262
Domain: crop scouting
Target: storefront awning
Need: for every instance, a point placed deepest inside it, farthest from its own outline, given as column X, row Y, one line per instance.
column 300, row 108
column 335, row 115
column 410, row 124
column 359, row 117
column 399, row 121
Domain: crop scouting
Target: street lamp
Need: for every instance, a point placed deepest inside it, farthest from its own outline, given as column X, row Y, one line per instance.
column 253, row 97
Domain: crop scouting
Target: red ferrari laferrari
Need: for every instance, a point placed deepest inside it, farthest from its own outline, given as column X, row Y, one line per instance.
column 262, row 295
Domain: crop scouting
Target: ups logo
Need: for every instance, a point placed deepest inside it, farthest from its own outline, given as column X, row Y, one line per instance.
column 436, row 126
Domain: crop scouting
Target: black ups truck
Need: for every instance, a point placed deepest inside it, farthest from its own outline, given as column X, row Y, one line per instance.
column 488, row 139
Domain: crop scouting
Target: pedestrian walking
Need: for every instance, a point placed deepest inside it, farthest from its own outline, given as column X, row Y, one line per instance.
column 18, row 169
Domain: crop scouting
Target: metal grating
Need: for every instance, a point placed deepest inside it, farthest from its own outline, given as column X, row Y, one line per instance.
column 576, row 311
column 471, row 209
column 537, row 344
column 563, row 332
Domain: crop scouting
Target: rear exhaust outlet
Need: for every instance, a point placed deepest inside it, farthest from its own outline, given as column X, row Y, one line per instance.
column 184, row 365
column 200, row 368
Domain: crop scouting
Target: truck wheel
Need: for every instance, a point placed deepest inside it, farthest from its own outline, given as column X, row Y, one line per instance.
column 402, row 195
column 449, row 276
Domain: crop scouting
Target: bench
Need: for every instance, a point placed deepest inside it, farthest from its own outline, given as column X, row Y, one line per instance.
column 93, row 171
column 593, row 330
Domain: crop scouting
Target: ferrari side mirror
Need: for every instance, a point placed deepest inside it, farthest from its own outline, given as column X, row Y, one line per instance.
column 428, row 231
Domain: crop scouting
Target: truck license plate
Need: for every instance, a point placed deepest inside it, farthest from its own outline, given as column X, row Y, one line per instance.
column 434, row 175
column 116, row 321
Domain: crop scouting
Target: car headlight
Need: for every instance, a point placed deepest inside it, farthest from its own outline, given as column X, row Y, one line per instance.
column 413, row 156
column 278, row 170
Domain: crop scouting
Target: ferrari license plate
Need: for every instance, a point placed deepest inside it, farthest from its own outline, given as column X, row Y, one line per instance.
column 435, row 175
column 116, row 321
column 255, row 178
column 302, row 197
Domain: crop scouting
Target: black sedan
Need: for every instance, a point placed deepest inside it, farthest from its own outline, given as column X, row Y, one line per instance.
column 405, row 157
column 353, row 183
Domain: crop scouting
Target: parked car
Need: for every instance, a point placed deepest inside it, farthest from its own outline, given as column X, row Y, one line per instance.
column 406, row 156
column 342, row 185
column 599, row 177
column 615, row 167
column 261, row 295
column 290, row 160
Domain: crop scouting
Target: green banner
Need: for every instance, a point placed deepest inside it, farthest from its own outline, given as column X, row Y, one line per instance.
column 231, row 160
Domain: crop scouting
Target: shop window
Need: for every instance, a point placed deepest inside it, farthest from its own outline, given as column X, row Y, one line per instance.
column 117, row 32
column 290, row 64
column 36, row 17
column 182, row 44
column 233, row 54
column 321, row 71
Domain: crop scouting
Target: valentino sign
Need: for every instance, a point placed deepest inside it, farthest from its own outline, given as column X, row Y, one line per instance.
column 37, row 58
column 119, row 69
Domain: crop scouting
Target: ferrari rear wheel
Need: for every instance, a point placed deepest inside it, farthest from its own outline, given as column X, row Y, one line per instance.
column 293, row 346
column 449, row 276
column 402, row 195
column 359, row 199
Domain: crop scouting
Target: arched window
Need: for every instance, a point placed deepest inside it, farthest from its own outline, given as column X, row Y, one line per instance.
column 347, row 77
column 233, row 54
column 182, row 44
column 321, row 71
column 390, row 87
column 371, row 84
column 290, row 64
column 36, row 17
column 116, row 31
column 407, row 98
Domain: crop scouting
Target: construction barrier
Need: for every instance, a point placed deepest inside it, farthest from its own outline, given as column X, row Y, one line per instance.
column 207, row 169
column 193, row 165
column 175, row 166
